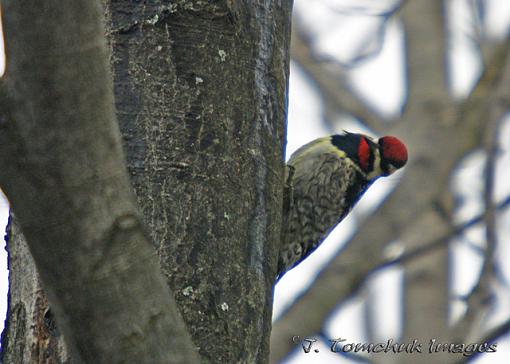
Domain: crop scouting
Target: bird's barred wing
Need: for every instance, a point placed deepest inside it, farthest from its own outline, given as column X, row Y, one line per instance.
column 322, row 193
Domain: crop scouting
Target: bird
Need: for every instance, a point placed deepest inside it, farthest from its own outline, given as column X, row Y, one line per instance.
column 324, row 180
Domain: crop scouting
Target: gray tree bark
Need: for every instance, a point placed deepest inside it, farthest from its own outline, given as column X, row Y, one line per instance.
column 63, row 171
column 201, row 93
column 31, row 335
column 201, row 99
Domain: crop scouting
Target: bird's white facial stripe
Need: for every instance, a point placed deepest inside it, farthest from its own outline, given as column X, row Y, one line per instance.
column 377, row 171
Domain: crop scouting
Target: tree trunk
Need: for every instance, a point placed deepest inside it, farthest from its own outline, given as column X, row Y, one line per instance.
column 30, row 335
column 201, row 97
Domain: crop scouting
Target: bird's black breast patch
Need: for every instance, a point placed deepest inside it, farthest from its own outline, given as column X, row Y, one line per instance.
column 356, row 189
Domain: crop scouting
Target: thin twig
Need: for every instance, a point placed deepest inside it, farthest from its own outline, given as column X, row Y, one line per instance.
column 330, row 81
column 479, row 297
column 489, row 338
column 439, row 242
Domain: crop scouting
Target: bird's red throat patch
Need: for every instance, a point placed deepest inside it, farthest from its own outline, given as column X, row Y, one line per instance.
column 363, row 154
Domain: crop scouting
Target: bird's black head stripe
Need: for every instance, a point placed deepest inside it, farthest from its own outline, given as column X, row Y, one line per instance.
column 347, row 143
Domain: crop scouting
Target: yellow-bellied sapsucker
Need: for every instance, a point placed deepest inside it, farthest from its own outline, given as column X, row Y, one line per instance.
column 325, row 178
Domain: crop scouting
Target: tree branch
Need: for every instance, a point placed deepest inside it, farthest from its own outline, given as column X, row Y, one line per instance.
column 478, row 300
column 441, row 241
column 64, row 173
column 330, row 80
column 490, row 337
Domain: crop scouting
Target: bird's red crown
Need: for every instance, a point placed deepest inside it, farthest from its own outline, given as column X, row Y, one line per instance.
column 393, row 150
